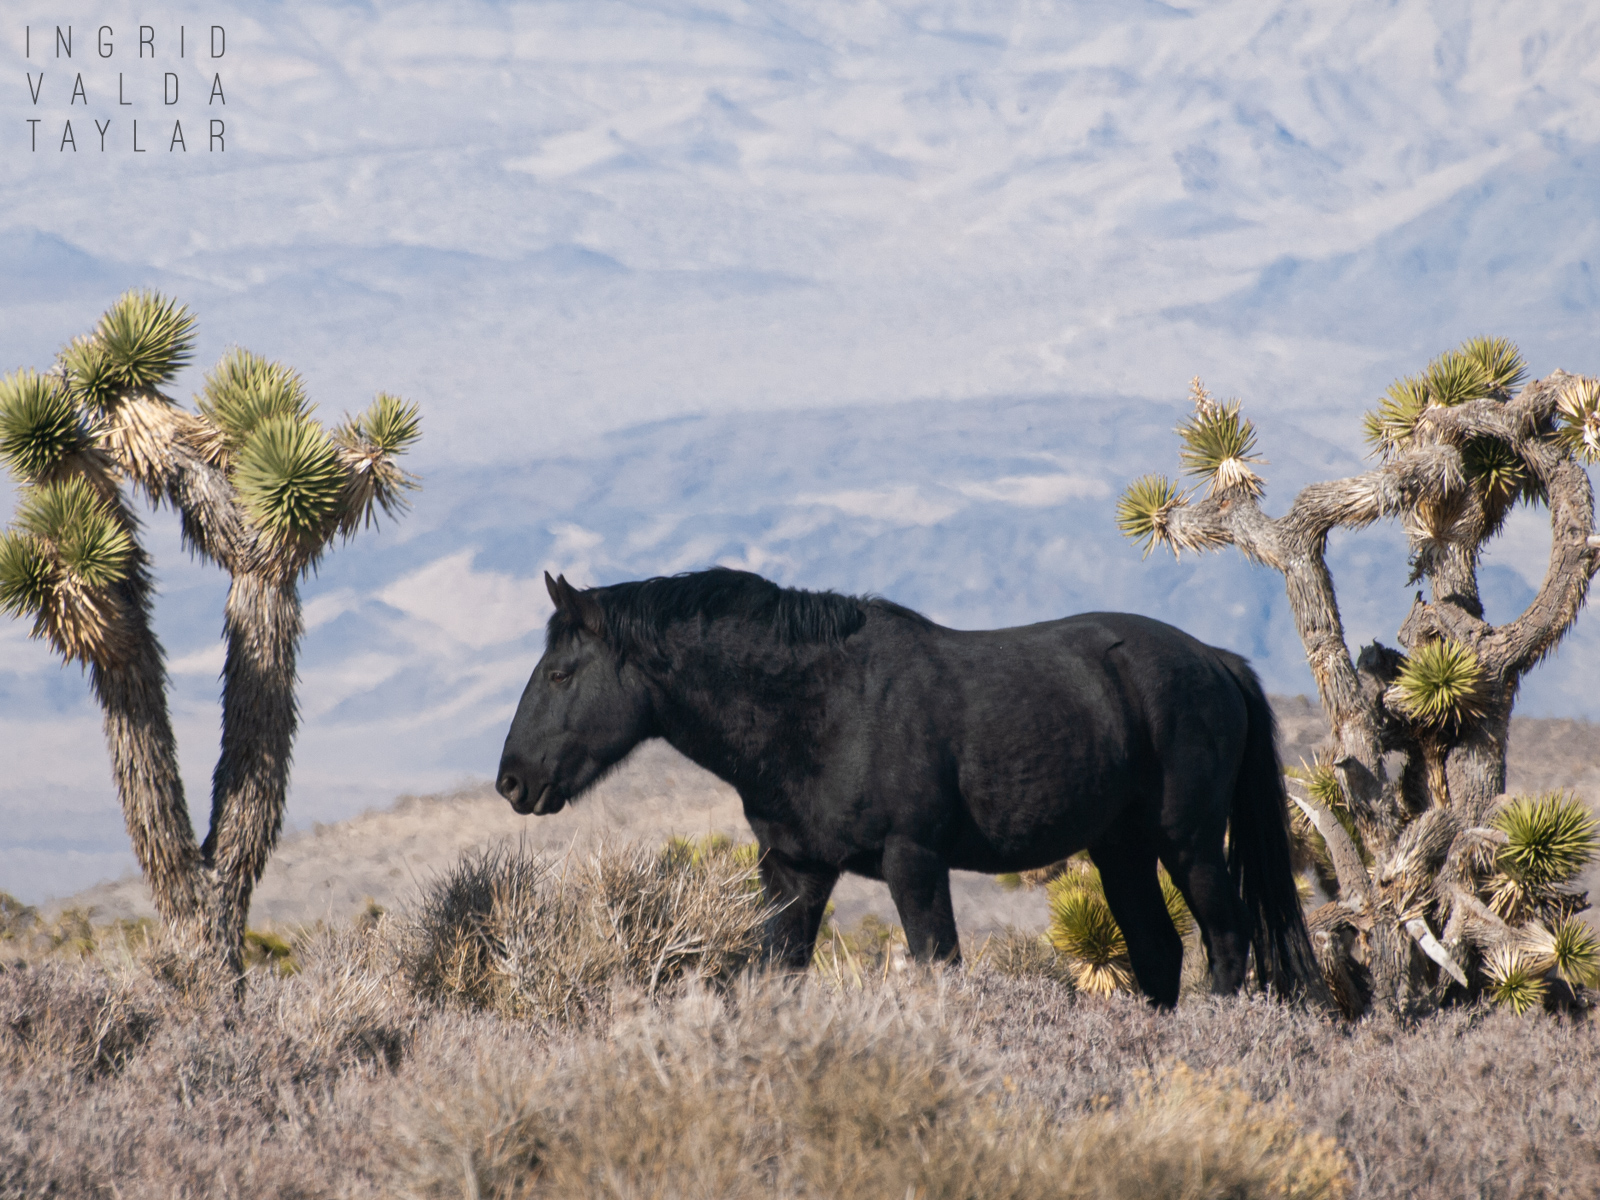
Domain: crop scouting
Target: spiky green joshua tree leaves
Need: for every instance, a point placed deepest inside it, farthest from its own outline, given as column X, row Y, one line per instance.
column 1083, row 930
column 140, row 344
column 1578, row 407
column 244, row 391
column 1440, row 684
column 1143, row 509
column 291, row 482
column 1549, row 840
column 41, row 427
column 60, row 564
column 299, row 482
column 1424, row 899
column 262, row 489
column 146, row 339
column 1482, row 368
column 1218, row 444
column 368, row 444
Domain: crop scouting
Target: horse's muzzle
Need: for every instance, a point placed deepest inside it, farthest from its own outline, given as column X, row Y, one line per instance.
column 515, row 790
column 549, row 801
column 512, row 788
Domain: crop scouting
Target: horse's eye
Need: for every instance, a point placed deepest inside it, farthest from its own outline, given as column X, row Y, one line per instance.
column 560, row 676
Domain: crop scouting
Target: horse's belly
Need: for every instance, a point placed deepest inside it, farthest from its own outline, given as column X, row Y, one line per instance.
column 1035, row 822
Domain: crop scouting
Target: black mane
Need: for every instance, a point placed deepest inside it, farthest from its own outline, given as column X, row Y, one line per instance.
column 637, row 614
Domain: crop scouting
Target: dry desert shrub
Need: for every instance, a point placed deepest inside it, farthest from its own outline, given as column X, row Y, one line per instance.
column 1475, row 1102
column 793, row 1090
column 1188, row 1133
column 344, row 1007
column 866, row 953
column 118, row 1081
column 1465, row 1104
column 507, row 931
column 17, row 919
column 1018, row 954
column 59, row 1018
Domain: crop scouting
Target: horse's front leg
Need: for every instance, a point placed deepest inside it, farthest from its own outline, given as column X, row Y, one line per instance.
column 799, row 892
column 919, row 884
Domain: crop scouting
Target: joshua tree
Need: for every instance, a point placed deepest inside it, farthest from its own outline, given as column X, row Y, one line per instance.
column 261, row 489
column 1442, row 882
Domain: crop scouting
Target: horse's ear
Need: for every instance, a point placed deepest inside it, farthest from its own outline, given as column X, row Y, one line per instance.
column 580, row 606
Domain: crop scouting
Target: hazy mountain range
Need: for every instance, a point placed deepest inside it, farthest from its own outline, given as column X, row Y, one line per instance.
column 888, row 298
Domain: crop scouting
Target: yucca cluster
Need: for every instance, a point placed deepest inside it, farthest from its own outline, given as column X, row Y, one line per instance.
column 1529, row 864
column 1218, row 447
column 1083, row 930
column 1549, row 840
column 59, row 563
column 301, row 483
column 1484, row 368
column 1545, row 843
column 1440, row 683
column 1218, row 443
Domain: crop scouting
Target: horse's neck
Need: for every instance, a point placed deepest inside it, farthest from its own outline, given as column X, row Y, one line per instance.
column 705, row 730
column 723, row 720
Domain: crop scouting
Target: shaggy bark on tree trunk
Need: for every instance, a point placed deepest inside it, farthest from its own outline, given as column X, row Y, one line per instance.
column 262, row 490
column 1406, row 799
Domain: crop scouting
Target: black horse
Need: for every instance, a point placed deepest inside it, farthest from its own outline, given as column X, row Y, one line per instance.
column 863, row 737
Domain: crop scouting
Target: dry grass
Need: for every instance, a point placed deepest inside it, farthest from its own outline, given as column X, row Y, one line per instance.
column 1018, row 954
column 369, row 1073
column 53, row 1019
column 507, row 931
column 1476, row 1103
column 795, row 1090
column 117, row 1081
column 812, row 1092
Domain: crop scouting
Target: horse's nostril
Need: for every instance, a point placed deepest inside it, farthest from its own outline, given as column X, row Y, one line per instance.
column 511, row 788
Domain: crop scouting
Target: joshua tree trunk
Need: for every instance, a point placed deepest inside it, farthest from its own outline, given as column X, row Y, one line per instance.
column 1459, row 451
column 259, row 719
column 206, row 889
column 144, row 762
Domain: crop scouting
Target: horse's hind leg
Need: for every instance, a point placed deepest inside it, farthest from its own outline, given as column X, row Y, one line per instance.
column 1202, row 876
column 1133, row 891
column 919, row 885
column 799, row 892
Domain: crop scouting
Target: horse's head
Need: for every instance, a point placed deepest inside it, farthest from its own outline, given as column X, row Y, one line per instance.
column 584, row 708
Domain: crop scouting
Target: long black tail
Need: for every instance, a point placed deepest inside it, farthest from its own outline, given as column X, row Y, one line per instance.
column 1258, row 855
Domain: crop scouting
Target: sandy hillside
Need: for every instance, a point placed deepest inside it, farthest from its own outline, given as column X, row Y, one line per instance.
column 334, row 871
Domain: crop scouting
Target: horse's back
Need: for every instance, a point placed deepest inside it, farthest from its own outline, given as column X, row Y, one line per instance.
column 1100, row 670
